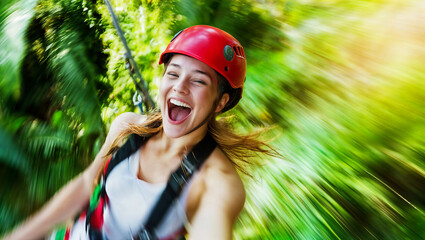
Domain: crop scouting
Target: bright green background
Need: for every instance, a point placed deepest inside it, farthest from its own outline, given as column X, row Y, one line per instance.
column 341, row 82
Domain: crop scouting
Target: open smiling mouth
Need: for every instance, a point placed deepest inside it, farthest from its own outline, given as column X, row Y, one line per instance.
column 178, row 111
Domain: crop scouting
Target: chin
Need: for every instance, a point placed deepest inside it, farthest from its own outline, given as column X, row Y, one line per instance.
column 172, row 132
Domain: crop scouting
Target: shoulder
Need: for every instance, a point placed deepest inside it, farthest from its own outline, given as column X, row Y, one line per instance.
column 128, row 118
column 219, row 200
column 120, row 123
column 223, row 185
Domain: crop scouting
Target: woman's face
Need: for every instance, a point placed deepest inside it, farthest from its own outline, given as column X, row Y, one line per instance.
column 188, row 94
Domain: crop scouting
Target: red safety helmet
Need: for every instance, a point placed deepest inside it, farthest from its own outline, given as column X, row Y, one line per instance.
column 217, row 49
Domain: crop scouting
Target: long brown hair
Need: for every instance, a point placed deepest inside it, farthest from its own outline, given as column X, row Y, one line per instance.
column 243, row 151
column 151, row 126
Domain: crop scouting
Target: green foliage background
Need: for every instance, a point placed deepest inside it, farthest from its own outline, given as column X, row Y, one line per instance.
column 343, row 83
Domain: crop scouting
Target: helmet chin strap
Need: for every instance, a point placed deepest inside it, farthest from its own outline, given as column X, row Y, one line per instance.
column 200, row 125
column 211, row 115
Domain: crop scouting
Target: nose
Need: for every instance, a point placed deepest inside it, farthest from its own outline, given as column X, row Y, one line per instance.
column 180, row 86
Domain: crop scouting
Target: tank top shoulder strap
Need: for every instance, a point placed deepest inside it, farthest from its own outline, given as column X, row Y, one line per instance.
column 130, row 146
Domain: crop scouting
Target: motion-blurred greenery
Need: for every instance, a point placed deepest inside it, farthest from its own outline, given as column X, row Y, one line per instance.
column 343, row 83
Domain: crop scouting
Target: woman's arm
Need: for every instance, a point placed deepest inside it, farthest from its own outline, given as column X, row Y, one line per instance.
column 220, row 205
column 65, row 204
column 73, row 196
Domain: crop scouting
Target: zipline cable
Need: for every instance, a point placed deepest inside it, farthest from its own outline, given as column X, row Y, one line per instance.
column 141, row 87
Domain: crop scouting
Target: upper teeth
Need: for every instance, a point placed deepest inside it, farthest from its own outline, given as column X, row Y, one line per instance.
column 178, row 103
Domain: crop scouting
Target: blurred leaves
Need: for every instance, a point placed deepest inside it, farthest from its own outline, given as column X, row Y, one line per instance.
column 342, row 82
column 50, row 125
column 14, row 19
column 351, row 110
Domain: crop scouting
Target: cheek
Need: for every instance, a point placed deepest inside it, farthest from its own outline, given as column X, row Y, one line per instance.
column 213, row 93
column 207, row 97
column 162, row 92
column 164, row 86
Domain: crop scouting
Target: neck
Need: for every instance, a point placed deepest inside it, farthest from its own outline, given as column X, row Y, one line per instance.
column 181, row 145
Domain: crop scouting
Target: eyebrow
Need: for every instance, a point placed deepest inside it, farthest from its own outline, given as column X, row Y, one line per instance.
column 175, row 65
column 197, row 70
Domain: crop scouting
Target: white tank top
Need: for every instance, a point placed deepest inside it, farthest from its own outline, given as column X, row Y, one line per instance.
column 130, row 202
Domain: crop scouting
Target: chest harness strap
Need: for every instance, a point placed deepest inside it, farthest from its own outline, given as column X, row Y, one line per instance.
column 175, row 185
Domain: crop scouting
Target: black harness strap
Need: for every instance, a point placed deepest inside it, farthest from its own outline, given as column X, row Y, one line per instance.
column 133, row 143
column 177, row 181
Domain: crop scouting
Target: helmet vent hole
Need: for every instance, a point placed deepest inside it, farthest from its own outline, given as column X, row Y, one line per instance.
column 226, row 68
column 239, row 51
column 236, row 51
column 242, row 52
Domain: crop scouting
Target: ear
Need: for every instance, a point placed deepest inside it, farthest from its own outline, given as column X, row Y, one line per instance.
column 222, row 102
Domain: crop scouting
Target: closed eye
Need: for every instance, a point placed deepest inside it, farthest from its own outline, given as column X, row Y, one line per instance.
column 200, row 82
column 172, row 75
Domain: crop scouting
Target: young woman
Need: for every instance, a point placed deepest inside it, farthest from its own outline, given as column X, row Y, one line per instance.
column 204, row 76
